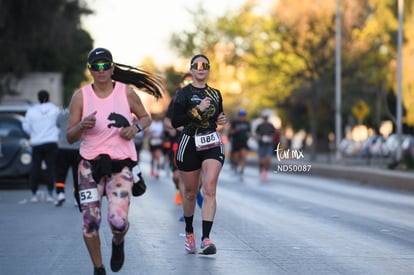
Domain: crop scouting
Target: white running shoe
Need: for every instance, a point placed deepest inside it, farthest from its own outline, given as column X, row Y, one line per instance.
column 60, row 199
column 49, row 198
column 34, row 199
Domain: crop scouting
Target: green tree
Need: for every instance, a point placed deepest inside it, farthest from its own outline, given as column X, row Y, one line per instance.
column 234, row 44
column 43, row 35
column 308, row 34
column 286, row 58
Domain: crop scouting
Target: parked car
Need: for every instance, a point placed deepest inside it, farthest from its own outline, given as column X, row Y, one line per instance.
column 15, row 149
column 14, row 107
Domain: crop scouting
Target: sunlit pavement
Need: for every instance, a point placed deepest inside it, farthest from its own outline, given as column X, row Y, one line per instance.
column 39, row 238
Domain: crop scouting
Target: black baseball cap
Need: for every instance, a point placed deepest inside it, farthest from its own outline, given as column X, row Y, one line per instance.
column 99, row 54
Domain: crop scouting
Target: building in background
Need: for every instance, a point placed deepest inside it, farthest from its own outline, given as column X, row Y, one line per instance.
column 26, row 88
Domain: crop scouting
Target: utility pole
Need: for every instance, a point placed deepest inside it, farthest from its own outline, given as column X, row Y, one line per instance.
column 338, row 119
column 399, row 79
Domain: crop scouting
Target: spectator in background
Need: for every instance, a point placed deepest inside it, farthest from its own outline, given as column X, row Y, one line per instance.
column 265, row 132
column 68, row 157
column 40, row 124
column 239, row 133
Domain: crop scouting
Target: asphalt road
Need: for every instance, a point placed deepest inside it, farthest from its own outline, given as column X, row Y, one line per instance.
column 291, row 224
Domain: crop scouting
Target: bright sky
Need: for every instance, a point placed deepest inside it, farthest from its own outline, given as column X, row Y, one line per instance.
column 133, row 29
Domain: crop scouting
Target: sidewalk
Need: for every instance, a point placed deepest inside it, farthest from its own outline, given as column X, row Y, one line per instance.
column 375, row 173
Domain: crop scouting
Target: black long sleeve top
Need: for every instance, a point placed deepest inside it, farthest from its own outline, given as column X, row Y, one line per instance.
column 186, row 114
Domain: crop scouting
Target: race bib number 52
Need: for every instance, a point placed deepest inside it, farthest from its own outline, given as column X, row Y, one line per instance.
column 88, row 195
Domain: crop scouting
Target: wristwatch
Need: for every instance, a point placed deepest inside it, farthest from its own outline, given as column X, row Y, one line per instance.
column 139, row 126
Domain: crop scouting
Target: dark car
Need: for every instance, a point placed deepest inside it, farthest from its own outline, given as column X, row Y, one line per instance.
column 15, row 149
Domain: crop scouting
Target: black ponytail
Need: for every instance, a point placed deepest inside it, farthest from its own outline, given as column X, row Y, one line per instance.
column 148, row 82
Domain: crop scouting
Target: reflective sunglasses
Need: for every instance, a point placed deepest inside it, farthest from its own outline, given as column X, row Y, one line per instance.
column 187, row 81
column 100, row 66
column 200, row 65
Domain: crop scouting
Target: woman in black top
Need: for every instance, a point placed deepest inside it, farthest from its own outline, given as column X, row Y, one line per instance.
column 199, row 108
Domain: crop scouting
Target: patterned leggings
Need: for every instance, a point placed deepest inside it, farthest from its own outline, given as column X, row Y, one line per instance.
column 118, row 193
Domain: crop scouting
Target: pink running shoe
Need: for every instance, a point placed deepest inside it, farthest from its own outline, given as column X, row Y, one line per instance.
column 264, row 175
column 190, row 245
column 208, row 247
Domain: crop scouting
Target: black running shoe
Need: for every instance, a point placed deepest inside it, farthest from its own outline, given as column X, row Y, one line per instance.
column 117, row 258
column 99, row 271
column 208, row 247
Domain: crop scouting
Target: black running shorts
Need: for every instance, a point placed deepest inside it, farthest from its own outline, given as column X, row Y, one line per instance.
column 188, row 159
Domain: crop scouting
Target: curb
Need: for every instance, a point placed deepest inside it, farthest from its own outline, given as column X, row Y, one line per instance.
column 366, row 175
column 397, row 180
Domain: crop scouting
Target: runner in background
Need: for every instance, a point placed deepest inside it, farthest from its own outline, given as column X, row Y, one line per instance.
column 240, row 131
column 174, row 134
column 264, row 133
column 156, row 138
column 68, row 158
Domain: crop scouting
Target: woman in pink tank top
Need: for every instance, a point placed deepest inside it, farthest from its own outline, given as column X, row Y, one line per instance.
column 106, row 115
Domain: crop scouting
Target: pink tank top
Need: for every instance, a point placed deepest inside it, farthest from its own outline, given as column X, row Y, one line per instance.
column 112, row 114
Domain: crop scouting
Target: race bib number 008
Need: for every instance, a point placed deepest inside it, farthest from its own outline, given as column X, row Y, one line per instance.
column 88, row 195
column 207, row 141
